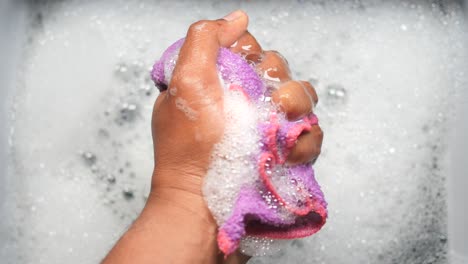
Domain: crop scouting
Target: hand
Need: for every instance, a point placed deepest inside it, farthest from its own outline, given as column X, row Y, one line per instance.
column 188, row 117
column 176, row 225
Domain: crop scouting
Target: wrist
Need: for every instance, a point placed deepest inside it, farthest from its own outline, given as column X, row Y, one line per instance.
column 175, row 226
column 181, row 192
column 183, row 223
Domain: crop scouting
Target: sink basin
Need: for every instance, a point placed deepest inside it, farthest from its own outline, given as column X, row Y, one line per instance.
column 76, row 100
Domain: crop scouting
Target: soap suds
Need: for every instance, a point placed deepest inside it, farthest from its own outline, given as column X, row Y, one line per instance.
column 232, row 156
column 183, row 106
column 383, row 162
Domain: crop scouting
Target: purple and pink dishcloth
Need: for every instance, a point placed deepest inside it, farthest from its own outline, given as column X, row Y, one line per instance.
column 282, row 202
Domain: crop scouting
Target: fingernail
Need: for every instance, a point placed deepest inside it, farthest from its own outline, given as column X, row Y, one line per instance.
column 233, row 15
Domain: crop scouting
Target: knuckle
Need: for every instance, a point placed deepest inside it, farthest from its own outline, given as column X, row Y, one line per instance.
column 273, row 67
column 293, row 100
column 317, row 135
column 302, row 151
column 186, row 79
column 201, row 25
column 280, row 56
column 248, row 47
column 311, row 90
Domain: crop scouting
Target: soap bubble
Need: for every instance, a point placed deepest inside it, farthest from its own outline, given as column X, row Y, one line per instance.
column 335, row 94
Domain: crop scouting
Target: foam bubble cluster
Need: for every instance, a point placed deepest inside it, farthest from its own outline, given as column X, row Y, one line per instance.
column 232, row 163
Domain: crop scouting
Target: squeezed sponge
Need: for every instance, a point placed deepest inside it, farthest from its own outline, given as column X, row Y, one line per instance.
column 249, row 189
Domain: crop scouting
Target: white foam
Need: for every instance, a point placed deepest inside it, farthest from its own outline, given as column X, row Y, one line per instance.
column 183, row 106
column 232, row 165
column 260, row 247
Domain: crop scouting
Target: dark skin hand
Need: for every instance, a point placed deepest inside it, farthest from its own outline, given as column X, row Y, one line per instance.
column 176, row 226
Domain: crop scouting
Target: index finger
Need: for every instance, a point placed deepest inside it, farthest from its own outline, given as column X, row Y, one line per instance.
column 196, row 66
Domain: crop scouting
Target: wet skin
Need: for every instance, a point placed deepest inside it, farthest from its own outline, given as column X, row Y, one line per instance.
column 176, row 225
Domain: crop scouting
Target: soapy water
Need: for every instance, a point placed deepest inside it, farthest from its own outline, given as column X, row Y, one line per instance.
column 386, row 75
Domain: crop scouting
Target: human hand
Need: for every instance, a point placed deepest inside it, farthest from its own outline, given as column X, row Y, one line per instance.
column 188, row 116
column 176, row 226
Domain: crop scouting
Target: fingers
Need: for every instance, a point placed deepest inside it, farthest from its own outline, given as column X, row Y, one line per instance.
column 196, row 66
column 295, row 98
column 273, row 67
column 248, row 47
column 270, row 64
column 308, row 146
column 311, row 91
column 235, row 27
